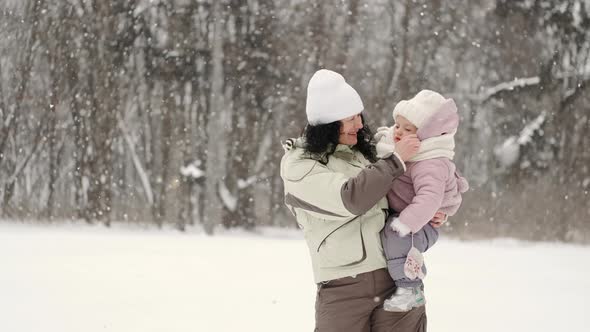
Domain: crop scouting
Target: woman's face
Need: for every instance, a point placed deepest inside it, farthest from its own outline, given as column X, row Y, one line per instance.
column 349, row 128
column 402, row 127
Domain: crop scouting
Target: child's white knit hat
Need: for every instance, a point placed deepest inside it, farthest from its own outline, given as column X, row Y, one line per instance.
column 418, row 109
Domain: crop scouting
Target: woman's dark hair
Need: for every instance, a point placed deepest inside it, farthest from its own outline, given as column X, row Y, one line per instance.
column 321, row 141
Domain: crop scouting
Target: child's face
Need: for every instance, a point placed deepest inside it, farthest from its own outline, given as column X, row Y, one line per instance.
column 402, row 128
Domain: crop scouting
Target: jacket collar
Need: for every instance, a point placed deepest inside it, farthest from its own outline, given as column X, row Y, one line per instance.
column 342, row 151
column 342, row 148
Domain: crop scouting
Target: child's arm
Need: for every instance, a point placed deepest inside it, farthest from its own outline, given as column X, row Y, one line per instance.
column 384, row 139
column 428, row 177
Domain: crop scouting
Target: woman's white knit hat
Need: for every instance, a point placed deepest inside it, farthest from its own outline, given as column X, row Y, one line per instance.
column 418, row 109
column 330, row 98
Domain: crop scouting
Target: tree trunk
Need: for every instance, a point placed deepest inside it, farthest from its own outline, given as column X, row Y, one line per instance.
column 10, row 123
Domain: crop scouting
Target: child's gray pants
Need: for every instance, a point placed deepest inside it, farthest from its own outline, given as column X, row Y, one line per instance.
column 396, row 250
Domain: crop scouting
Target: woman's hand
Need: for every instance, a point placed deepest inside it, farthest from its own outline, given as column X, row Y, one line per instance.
column 407, row 147
column 439, row 219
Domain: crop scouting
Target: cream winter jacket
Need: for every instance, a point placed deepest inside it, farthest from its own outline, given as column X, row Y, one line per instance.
column 340, row 206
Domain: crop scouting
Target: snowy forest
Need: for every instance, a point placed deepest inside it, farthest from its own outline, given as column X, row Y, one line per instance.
column 172, row 112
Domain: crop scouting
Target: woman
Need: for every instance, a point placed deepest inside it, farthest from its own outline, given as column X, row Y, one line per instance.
column 335, row 187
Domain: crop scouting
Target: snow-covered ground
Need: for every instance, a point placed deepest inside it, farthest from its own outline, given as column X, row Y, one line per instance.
column 73, row 278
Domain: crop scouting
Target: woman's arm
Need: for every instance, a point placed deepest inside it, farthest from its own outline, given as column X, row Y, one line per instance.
column 362, row 192
column 326, row 194
column 313, row 187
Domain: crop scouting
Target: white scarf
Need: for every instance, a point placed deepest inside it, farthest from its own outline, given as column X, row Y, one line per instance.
column 436, row 147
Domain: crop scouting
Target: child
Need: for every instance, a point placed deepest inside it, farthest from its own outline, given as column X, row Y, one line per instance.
column 430, row 184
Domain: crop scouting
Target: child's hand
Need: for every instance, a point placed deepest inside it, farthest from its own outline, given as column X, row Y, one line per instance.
column 384, row 138
column 384, row 134
column 439, row 219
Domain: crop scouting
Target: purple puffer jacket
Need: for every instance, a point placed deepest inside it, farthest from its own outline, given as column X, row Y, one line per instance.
column 431, row 184
column 426, row 187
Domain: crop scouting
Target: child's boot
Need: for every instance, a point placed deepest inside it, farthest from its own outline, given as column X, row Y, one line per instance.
column 404, row 299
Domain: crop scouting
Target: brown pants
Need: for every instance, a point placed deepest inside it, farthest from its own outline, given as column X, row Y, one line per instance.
column 356, row 305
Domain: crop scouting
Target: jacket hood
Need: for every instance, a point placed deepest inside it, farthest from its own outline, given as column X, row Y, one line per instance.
column 443, row 122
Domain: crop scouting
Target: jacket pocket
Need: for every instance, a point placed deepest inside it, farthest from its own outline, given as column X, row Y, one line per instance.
column 343, row 246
